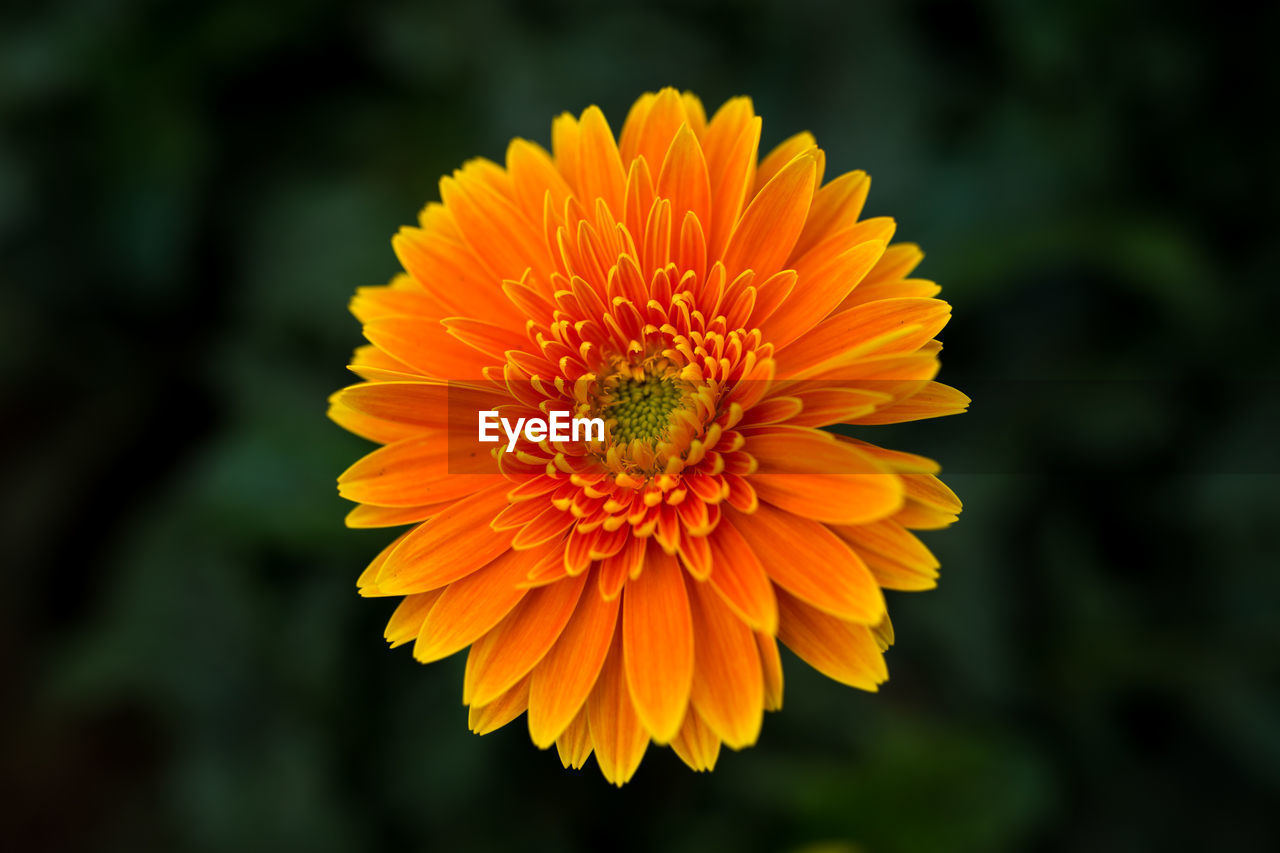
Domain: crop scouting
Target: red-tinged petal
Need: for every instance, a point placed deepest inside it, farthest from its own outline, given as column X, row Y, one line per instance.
column 740, row 579
column 452, row 545
column 844, row 651
column 728, row 684
column 657, row 633
column 471, row 607
column 696, row 744
column 562, row 681
column 483, row 719
column 767, row 231
column 406, row 621
column 793, row 475
column 508, row 652
column 810, row 562
column 618, row 737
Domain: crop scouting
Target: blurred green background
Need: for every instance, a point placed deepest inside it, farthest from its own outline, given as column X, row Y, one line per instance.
column 190, row 192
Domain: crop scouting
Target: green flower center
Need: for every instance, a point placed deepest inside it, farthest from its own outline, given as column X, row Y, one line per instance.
column 641, row 409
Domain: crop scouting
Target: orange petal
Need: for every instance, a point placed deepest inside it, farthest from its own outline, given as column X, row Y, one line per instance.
column 809, row 561
column 897, row 263
column 767, row 231
column 873, row 292
column 507, row 653
column 433, row 258
column 617, row 735
column 365, row 425
column 771, row 665
column 533, row 175
column 793, row 462
column 684, row 179
column 740, row 579
column 424, row 405
column 493, row 225
column 844, row 651
column 427, row 346
column 935, row 400
column 728, row 685
column 574, row 745
column 406, row 621
column 600, row 169
column 657, row 634
column 372, row 364
column 483, row 719
column 886, row 326
column 410, row 473
column 835, row 208
column 562, row 681
column 730, row 143
column 825, row 288
column 696, row 744
column 382, row 516
column 665, row 116
column 367, row 582
column 471, row 607
column 896, row 558
column 822, row 406
column 929, row 490
column 782, row 154
column 452, row 545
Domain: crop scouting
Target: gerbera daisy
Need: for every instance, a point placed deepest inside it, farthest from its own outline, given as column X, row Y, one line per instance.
column 716, row 311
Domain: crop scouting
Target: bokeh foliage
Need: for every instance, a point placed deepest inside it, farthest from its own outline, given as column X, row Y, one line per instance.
column 190, row 192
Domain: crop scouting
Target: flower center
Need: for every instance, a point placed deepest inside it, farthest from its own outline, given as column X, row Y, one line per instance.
column 640, row 409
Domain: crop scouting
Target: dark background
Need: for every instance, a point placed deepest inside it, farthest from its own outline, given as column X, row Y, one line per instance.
column 190, row 192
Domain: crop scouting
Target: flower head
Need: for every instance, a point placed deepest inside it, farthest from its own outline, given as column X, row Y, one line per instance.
column 715, row 310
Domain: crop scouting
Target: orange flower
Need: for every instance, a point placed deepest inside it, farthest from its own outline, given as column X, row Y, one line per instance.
column 716, row 312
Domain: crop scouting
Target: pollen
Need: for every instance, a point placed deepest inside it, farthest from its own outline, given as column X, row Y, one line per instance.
column 642, row 409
